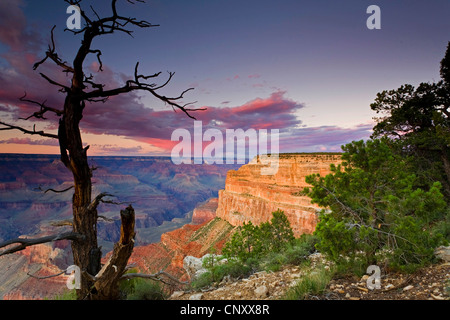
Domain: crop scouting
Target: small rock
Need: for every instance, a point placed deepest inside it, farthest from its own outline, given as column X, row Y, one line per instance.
column 363, row 289
column 261, row 292
column 238, row 294
column 176, row 294
column 437, row 297
column 348, row 295
column 390, row 285
column 197, row 296
column 443, row 253
column 364, row 278
column 408, row 288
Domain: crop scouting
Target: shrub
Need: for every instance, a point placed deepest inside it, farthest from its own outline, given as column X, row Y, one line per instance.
column 233, row 268
column 374, row 205
column 141, row 289
column 313, row 283
column 146, row 289
column 252, row 241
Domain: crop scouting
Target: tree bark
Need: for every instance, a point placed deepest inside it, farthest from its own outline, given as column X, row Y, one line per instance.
column 106, row 287
column 96, row 282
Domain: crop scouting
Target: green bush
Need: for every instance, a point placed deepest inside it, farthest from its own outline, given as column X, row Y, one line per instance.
column 67, row 295
column 145, row 289
column 233, row 268
column 252, row 241
column 311, row 284
column 294, row 253
column 141, row 289
column 375, row 210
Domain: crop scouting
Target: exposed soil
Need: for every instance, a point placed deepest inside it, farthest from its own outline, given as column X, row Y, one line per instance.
column 429, row 283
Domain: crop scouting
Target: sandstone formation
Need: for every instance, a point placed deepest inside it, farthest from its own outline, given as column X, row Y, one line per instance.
column 205, row 211
column 18, row 279
column 189, row 240
column 248, row 196
column 251, row 196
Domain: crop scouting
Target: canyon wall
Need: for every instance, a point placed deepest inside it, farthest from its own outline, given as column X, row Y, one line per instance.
column 248, row 196
column 251, row 196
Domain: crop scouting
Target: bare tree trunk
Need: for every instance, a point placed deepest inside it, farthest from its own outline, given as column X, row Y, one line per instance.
column 86, row 253
column 107, row 285
column 96, row 282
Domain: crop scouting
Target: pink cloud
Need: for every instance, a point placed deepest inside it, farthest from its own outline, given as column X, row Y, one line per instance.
column 126, row 115
column 13, row 27
column 322, row 138
column 42, row 142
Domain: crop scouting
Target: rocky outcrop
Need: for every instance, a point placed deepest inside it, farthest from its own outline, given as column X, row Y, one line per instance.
column 21, row 270
column 205, row 211
column 189, row 240
column 443, row 253
column 251, row 196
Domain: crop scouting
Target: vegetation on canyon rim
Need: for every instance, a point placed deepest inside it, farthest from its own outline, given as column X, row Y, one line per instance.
column 81, row 91
column 384, row 206
column 388, row 202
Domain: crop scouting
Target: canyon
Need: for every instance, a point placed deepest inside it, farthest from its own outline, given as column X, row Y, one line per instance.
column 250, row 196
column 246, row 196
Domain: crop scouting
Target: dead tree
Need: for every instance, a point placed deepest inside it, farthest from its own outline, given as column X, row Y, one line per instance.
column 97, row 281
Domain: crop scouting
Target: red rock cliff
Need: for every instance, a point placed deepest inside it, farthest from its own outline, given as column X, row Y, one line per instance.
column 251, row 196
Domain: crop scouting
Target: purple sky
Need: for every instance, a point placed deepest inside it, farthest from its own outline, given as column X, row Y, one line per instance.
column 309, row 69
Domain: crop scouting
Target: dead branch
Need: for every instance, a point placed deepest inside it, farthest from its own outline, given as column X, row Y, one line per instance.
column 69, row 222
column 99, row 198
column 61, row 223
column 111, row 272
column 154, row 276
column 26, row 242
column 34, row 132
column 43, row 108
column 46, row 277
column 401, row 285
column 63, row 87
column 54, row 57
column 136, row 84
column 55, row 191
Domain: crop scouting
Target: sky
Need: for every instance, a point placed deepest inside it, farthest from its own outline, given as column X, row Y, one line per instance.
column 309, row 69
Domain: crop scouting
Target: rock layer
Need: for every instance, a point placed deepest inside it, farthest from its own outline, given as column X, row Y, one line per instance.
column 251, row 196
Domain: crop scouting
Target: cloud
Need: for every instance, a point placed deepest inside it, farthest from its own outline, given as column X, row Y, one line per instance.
column 13, row 28
column 110, row 149
column 125, row 115
column 25, row 47
column 322, row 138
column 42, row 142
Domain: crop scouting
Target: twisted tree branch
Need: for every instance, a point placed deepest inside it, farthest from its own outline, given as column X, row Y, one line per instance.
column 26, row 242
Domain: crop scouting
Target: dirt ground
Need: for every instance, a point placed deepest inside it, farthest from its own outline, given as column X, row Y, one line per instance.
column 429, row 283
